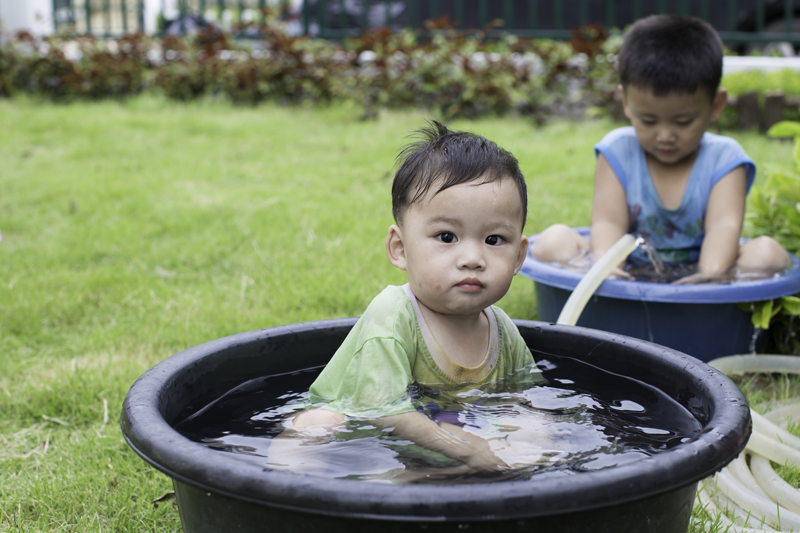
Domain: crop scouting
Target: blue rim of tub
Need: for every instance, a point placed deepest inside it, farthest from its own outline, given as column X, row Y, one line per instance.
column 745, row 291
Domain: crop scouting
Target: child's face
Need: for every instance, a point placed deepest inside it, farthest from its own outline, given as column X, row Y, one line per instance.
column 670, row 127
column 461, row 247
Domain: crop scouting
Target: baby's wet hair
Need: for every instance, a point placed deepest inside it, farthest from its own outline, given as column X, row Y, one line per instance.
column 667, row 53
column 447, row 158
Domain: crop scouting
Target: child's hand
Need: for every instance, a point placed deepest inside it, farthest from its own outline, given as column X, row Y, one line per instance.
column 618, row 273
column 447, row 439
column 474, row 451
column 703, row 277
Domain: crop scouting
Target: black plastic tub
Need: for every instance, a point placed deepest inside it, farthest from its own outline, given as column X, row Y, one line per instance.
column 218, row 492
column 704, row 321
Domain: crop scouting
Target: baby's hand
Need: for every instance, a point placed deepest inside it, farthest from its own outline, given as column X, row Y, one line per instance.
column 475, row 451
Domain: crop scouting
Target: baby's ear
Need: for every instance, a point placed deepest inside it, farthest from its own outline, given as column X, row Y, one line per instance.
column 395, row 249
column 523, row 252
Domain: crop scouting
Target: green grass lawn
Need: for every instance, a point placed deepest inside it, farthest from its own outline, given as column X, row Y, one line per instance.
column 134, row 230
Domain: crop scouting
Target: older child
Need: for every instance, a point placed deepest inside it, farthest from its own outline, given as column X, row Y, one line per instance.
column 666, row 178
column 460, row 203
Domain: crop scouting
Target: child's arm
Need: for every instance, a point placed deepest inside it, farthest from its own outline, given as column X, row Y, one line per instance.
column 444, row 438
column 723, row 226
column 609, row 213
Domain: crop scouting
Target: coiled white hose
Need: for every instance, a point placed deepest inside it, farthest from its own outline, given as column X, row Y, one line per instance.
column 757, row 498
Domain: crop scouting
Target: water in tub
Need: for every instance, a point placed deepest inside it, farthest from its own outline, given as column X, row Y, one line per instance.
column 650, row 268
column 580, row 419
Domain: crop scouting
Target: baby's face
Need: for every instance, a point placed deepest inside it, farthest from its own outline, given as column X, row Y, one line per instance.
column 463, row 245
column 670, row 127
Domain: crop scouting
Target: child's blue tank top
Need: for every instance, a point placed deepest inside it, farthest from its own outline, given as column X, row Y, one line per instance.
column 676, row 233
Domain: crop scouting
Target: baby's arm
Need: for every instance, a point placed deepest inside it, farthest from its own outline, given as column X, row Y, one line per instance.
column 609, row 213
column 444, row 438
column 723, row 226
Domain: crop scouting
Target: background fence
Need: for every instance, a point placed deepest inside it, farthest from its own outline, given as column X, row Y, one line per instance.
column 739, row 22
column 103, row 18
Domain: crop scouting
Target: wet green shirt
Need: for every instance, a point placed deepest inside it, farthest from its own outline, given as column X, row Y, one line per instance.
column 391, row 348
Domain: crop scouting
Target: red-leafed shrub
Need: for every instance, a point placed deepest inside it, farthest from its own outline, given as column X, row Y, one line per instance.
column 442, row 69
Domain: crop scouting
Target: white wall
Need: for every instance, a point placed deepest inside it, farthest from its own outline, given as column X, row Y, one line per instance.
column 35, row 16
column 152, row 8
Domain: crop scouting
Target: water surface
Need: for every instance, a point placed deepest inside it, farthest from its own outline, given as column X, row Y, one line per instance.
column 582, row 419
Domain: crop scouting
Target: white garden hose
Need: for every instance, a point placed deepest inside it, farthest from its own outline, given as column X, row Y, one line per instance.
column 757, row 498
column 594, row 277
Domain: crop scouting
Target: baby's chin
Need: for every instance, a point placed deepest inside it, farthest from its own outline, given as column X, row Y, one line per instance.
column 454, row 309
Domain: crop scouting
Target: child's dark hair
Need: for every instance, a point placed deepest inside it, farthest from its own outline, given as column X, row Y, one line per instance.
column 668, row 53
column 451, row 158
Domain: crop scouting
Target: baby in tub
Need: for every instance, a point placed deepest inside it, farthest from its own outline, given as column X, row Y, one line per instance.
column 460, row 204
column 665, row 177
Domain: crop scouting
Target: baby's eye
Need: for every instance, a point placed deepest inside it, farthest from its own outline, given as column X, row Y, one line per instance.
column 648, row 122
column 446, row 237
column 494, row 240
column 684, row 122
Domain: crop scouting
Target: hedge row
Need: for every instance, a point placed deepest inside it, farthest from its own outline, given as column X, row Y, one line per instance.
column 442, row 69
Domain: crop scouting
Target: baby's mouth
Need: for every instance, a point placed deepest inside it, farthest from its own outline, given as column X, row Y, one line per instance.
column 470, row 284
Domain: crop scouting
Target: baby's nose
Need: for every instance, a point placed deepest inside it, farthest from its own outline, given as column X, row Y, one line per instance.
column 471, row 256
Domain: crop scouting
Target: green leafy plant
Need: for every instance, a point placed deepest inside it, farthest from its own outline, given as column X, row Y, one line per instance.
column 441, row 69
column 781, row 317
column 745, row 81
column 84, row 67
column 775, row 211
column 9, row 66
column 758, row 81
column 456, row 73
column 187, row 69
column 288, row 70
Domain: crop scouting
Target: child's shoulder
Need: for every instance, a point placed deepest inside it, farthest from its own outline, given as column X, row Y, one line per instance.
column 719, row 155
column 624, row 137
column 388, row 301
column 507, row 329
column 389, row 310
column 389, row 295
column 501, row 315
column 720, row 142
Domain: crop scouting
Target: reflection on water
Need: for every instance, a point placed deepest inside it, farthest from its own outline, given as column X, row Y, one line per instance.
column 583, row 419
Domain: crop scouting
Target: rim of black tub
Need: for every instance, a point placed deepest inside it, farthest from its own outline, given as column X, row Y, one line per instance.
column 708, row 394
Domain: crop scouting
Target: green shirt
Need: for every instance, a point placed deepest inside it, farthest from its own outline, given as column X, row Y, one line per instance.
column 391, row 348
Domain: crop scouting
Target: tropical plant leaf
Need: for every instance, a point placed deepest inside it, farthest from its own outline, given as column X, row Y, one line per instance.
column 796, row 152
column 774, row 210
column 762, row 313
column 747, row 307
column 785, row 128
column 791, row 305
